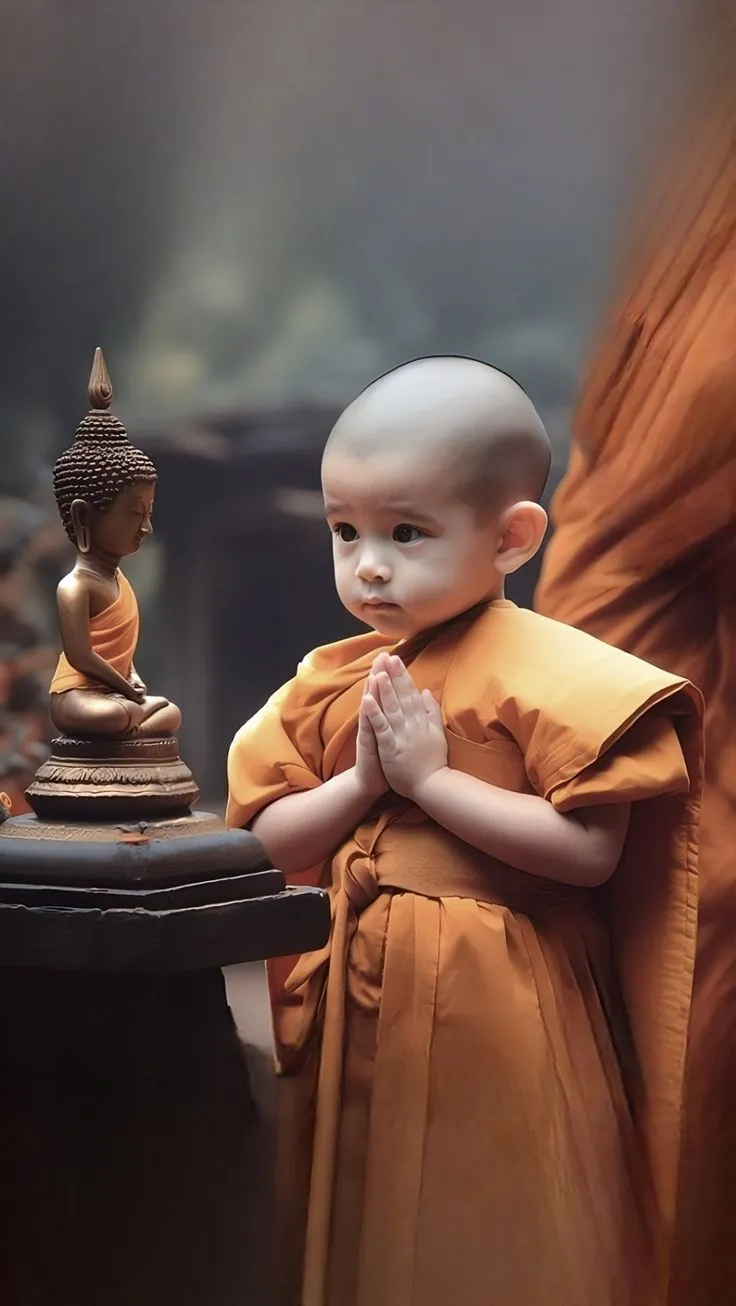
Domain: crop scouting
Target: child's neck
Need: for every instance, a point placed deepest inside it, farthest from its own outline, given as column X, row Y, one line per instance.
column 410, row 647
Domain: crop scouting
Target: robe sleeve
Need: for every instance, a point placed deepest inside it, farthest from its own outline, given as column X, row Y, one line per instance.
column 613, row 729
column 281, row 749
column 646, row 762
column 264, row 762
column 594, row 724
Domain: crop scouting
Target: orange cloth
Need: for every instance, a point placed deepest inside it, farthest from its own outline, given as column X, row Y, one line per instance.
column 113, row 636
column 644, row 556
column 473, row 1140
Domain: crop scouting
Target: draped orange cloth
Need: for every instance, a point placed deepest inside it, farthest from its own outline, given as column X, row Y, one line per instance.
column 644, row 556
column 498, row 1057
column 113, row 636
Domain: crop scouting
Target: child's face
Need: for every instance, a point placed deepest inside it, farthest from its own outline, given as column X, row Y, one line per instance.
column 407, row 555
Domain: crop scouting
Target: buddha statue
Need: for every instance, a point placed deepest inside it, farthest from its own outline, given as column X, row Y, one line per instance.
column 104, row 490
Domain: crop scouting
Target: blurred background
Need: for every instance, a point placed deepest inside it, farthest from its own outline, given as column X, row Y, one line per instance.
column 255, row 208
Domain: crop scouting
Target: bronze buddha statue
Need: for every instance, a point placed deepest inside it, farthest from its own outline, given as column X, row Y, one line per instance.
column 105, row 490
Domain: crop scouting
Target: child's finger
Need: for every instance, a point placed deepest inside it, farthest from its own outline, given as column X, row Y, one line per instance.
column 365, row 734
column 387, row 697
column 404, row 687
column 397, row 671
column 376, row 716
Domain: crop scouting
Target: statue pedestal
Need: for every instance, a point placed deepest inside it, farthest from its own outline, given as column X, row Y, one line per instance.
column 134, row 1168
column 107, row 780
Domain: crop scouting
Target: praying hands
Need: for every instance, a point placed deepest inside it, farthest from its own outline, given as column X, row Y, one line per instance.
column 406, row 725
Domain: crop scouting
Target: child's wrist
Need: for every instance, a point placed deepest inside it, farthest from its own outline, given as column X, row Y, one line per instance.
column 368, row 790
column 423, row 793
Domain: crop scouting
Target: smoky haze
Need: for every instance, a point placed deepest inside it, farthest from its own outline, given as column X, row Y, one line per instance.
column 256, row 203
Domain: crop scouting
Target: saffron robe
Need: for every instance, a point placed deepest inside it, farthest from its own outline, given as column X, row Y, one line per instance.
column 113, row 635
column 480, row 1109
column 644, row 556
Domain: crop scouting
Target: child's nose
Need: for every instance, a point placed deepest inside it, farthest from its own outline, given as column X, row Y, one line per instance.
column 372, row 567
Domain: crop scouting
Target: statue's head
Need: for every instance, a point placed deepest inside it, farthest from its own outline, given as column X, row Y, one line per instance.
column 104, row 486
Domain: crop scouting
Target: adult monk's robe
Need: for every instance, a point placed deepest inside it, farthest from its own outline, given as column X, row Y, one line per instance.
column 113, row 636
column 474, row 1139
column 644, row 556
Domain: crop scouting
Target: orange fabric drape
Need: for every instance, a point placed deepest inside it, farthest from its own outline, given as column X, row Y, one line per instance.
column 113, row 635
column 643, row 556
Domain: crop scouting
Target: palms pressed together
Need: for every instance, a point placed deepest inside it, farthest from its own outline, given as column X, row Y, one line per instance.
column 401, row 737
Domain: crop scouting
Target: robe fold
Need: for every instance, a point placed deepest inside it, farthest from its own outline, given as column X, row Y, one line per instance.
column 113, row 636
column 644, row 557
column 488, row 1063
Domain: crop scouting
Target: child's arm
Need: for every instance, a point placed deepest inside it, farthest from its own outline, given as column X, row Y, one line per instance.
column 522, row 830
column 525, row 831
column 301, row 830
column 73, row 604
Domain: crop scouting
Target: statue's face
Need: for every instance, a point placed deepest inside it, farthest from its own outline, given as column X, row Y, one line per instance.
column 120, row 529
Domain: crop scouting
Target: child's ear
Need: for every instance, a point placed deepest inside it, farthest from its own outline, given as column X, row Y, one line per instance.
column 522, row 529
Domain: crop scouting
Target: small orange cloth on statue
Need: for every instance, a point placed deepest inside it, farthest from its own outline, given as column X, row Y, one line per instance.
column 479, row 1061
column 113, row 636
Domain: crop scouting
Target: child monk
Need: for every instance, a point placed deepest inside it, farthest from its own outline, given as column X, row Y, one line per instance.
column 505, row 812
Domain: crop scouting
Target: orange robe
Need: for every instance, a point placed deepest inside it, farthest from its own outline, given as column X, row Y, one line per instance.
column 479, row 1034
column 113, row 636
column 644, row 556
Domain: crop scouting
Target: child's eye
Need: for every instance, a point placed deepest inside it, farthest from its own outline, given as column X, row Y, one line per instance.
column 406, row 534
column 345, row 532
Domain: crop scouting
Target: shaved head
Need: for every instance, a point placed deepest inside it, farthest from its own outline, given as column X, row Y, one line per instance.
column 473, row 420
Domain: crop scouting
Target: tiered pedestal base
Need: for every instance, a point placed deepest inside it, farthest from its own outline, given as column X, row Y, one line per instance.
column 112, row 779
